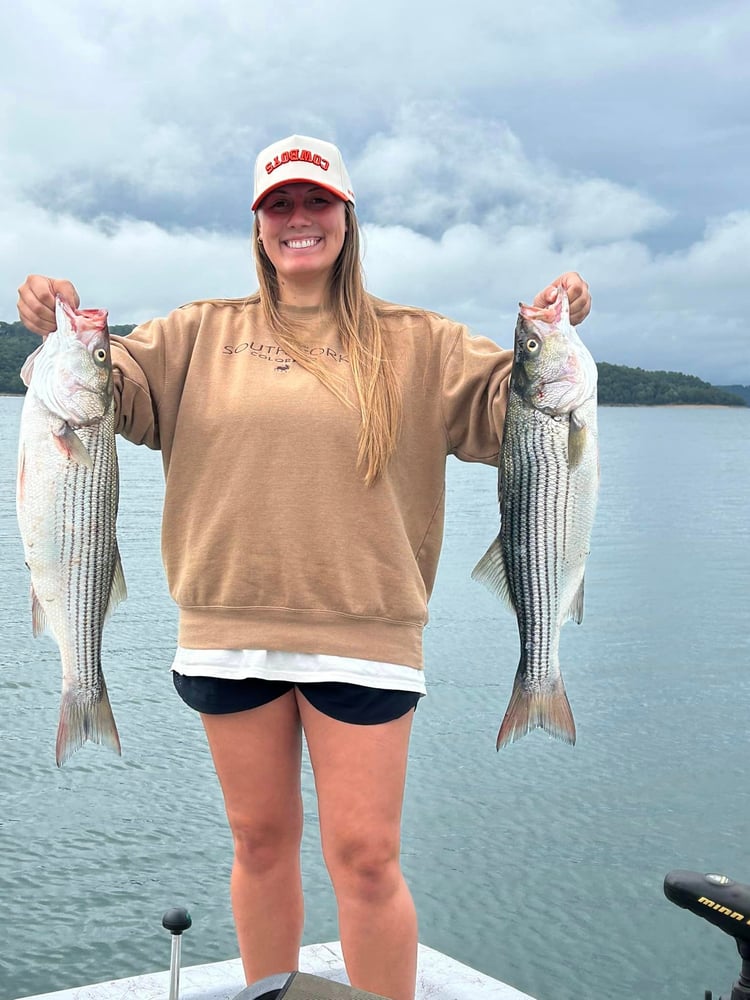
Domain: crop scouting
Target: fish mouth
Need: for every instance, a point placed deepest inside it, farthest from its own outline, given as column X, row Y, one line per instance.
column 88, row 321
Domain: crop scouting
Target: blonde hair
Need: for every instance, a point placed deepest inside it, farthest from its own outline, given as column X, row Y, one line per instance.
column 377, row 389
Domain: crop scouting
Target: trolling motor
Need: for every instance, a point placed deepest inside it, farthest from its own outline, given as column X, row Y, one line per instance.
column 725, row 904
column 285, row 986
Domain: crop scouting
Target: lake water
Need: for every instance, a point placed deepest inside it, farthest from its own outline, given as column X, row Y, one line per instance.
column 541, row 865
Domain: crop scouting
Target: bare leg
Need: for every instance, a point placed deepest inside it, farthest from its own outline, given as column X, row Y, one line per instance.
column 257, row 755
column 360, row 773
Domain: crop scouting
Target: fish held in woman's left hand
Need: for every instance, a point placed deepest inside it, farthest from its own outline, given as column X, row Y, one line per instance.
column 67, row 495
column 548, row 480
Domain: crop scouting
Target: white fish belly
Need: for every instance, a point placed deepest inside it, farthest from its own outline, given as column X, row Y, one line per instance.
column 583, row 488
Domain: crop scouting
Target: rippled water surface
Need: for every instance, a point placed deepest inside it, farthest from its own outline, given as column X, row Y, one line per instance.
column 541, row 865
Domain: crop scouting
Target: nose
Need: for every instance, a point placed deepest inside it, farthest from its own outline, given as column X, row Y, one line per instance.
column 299, row 216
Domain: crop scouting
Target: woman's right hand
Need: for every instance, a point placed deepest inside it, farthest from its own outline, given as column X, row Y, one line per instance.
column 36, row 302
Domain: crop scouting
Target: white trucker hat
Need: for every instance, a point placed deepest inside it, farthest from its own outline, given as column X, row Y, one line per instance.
column 301, row 158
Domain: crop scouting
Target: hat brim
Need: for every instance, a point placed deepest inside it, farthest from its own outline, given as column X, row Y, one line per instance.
column 299, row 180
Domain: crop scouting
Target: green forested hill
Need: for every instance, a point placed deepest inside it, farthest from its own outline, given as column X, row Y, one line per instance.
column 738, row 390
column 618, row 385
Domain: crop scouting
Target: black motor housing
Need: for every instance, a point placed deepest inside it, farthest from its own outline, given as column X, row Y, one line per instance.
column 717, row 898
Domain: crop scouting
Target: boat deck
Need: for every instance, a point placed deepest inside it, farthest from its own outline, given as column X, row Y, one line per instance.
column 439, row 978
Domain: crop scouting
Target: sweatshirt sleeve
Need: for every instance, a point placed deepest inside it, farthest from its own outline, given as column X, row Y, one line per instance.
column 138, row 365
column 475, row 396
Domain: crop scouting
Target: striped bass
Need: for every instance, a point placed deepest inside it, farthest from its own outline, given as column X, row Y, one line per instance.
column 66, row 500
column 548, row 476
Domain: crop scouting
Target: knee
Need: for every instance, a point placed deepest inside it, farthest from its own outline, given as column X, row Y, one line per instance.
column 368, row 870
column 261, row 847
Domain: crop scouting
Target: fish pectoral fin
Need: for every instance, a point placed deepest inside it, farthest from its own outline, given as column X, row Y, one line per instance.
column 118, row 591
column 490, row 571
column 72, row 447
column 38, row 616
column 577, row 436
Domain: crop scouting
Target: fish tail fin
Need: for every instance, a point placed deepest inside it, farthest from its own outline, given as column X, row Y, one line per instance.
column 82, row 719
column 548, row 709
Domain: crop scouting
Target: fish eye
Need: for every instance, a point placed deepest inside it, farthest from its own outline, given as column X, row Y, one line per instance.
column 532, row 345
column 100, row 355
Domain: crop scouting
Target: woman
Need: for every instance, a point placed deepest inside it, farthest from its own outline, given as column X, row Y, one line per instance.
column 304, row 432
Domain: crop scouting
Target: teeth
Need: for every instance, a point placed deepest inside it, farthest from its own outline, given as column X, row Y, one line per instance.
column 301, row 244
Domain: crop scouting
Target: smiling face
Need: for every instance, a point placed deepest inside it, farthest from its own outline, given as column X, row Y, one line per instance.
column 302, row 227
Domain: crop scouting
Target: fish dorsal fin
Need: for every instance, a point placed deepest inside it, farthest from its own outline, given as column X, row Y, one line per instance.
column 490, row 571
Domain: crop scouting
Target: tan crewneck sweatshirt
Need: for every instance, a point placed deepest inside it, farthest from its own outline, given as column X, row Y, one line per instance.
column 270, row 538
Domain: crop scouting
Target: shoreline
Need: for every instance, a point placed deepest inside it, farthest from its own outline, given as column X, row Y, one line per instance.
column 632, row 406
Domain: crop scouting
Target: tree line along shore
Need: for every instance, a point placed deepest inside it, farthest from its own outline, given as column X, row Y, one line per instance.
column 618, row 384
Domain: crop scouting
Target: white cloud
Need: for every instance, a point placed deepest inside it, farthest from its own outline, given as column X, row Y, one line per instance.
column 136, row 270
column 436, row 168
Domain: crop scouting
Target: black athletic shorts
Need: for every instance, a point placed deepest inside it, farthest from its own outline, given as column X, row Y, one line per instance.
column 355, row 703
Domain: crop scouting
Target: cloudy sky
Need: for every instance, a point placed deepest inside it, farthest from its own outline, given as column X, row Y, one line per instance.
column 492, row 145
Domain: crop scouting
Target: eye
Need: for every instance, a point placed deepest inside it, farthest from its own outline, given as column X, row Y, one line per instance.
column 532, row 345
column 100, row 355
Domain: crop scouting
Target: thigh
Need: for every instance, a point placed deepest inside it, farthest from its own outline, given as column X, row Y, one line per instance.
column 360, row 773
column 257, row 755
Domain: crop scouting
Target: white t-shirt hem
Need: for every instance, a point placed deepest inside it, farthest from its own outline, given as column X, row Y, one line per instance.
column 298, row 668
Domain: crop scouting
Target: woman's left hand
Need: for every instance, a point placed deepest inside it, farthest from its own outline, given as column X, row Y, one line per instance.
column 578, row 296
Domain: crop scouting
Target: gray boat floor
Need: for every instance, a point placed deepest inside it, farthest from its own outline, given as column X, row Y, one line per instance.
column 439, row 978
